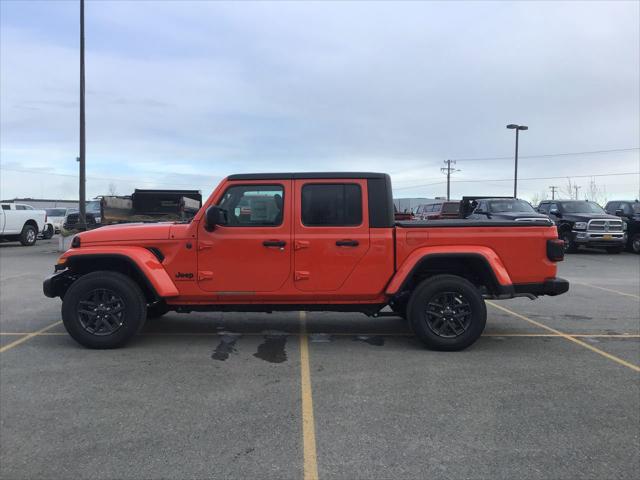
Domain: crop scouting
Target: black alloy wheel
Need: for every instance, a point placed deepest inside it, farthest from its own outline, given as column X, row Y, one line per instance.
column 101, row 312
column 448, row 314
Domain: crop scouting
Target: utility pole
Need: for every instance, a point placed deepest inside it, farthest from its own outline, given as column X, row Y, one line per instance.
column 576, row 188
column 82, row 221
column 448, row 171
column 553, row 191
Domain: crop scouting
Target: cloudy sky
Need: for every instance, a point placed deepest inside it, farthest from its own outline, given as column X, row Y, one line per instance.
column 180, row 94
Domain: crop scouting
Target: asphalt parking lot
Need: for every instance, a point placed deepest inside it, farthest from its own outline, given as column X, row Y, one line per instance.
column 552, row 390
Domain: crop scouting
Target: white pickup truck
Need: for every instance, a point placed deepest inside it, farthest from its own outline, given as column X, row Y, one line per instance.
column 20, row 222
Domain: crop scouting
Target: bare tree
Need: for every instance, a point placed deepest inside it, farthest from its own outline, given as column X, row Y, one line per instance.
column 570, row 189
column 113, row 190
column 536, row 198
column 595, row 193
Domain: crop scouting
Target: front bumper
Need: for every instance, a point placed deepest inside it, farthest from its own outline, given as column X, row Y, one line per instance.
column 599, row 239
column 56, row 285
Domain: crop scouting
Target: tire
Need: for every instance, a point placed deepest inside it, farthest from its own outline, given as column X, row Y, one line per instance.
column 614, row 250
column 114, row 329
column 569, row 245
column 463, row 300
column 635, row 244
column 48, row 232
column 157, row 310
column 28, row 236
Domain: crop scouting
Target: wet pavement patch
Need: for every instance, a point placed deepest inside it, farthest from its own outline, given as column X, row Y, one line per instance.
column 375, row 340
column 272, row 349
column 226, row 347
column 320, row 337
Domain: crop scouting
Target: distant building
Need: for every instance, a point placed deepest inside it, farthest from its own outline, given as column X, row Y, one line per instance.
column 41, row 203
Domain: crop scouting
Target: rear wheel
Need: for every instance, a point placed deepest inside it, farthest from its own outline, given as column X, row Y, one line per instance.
column 447, row 312
column 28, row 235
column 103, row 309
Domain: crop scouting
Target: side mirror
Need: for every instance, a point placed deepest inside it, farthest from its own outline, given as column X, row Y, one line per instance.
column 555, row 212
column 619, row 213
column 214, row 216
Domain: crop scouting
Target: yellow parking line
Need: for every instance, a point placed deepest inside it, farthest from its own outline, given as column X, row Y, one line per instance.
column 308, row 422
column 608, row 290
column 618, row 360
column 337, row 334
column 27, row 337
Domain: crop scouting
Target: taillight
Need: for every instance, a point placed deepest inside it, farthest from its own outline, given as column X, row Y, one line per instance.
column 555, row 250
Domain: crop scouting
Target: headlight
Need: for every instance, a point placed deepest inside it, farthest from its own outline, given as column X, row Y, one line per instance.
column 580, row 225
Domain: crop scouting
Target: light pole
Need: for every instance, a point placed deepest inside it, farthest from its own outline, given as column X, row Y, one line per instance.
column 517, row 128
column 82, row 220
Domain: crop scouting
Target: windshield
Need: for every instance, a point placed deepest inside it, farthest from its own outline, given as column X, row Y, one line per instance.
column 501, row 206
column 93, row 206
column 56, row 212
column 582, row 207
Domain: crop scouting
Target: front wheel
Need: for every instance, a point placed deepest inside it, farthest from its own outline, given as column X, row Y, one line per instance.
column 635, row 244
column 103, row 309
column 569, row 245
column 48, row 232
column 447, row 312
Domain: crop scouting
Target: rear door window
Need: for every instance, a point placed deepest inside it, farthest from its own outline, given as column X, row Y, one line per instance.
column 336, row 204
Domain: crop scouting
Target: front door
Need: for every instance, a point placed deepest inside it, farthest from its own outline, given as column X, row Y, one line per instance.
column 331, row 232
column 252, row 252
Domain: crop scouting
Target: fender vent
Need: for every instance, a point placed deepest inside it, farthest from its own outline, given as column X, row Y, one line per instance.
column 157, row 253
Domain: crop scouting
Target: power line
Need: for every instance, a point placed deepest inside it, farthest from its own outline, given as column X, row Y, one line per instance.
column 529, row 178
column 550, row 155
column 118, row 179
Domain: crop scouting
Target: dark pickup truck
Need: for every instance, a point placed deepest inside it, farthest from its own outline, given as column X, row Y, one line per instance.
column 584, row 223
column 629, row 211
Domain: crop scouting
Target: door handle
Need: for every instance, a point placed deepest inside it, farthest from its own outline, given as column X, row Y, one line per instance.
column 274, row 243
column 347, row 243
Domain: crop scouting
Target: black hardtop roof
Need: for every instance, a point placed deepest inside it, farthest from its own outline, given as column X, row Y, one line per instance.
column 567, row 201
column 304, row 175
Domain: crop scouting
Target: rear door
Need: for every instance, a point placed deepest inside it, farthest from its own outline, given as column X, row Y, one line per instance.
column 252, row 253
column 331, row 232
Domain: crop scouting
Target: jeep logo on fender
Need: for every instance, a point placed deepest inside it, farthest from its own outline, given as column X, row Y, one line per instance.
column 184, row 276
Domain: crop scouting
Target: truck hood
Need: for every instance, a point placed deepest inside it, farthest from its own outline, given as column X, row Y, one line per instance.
column 516, row 215
column 127, row 232
column 585, row 217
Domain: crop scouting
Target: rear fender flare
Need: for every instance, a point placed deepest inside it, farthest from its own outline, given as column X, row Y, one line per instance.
column 421, row 256
column 141, row 259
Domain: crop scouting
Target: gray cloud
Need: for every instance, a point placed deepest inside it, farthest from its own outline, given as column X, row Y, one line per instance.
column 211, row 88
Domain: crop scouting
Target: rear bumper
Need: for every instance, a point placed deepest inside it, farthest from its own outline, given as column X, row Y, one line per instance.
column 551, row 286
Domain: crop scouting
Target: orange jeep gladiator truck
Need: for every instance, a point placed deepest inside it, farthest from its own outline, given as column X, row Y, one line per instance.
column 303, row 241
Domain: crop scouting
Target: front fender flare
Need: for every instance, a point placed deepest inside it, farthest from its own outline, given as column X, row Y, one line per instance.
column 420, row 255
column 140, row 258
